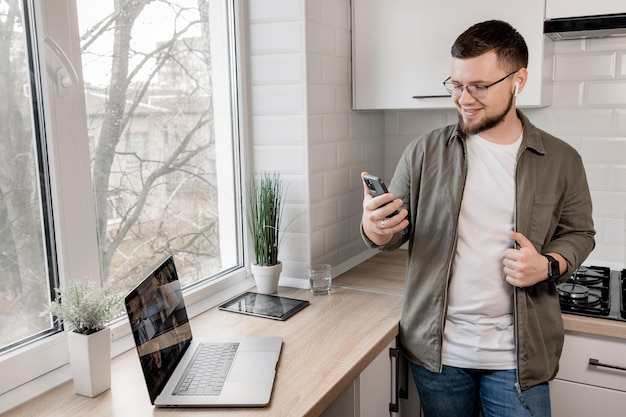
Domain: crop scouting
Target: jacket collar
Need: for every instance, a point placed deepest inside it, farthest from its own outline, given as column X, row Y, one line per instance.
column 531, row 138
column 532, row 135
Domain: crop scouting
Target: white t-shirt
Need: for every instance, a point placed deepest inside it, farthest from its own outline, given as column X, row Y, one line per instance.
column 478, row 330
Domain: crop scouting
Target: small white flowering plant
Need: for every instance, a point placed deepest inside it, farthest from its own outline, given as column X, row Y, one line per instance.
column 84, row 308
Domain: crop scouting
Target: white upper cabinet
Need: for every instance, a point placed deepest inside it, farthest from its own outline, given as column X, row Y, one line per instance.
column 556, row 9
column 401, row 49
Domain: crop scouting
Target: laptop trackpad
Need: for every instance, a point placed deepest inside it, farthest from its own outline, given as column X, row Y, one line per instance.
column 253, row 367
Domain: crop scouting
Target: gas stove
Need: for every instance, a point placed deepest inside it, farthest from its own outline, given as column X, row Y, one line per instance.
column 594, row 291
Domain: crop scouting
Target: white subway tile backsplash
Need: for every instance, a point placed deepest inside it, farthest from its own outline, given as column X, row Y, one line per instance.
column 582, row 122
column 607, row 204
column 348, row 153
column 350, row 204
column 336, row 182
column 609, row 150
column 293, row 222
column 316, row 187
column 277, row 68
column 275, row 10
column 607, row 255
column 372, row 149
column 337, row 235
column 282, row 158
column 343, row 43
column 614, row 232
column 314, row 68
column 292, row 246
column 617, row 180
column 620, row 121
column 279, row 129
column 568, row 94
column 416, row 123
column 313, row 10
column 606, row 44
column 392, row 123
column 321, row 98
column 315, row 129
column 297, row 192
column 276, row 37
column 353, row 249
column 278, row 99
column 396, row 145
column 318, row 249
column 575, row 45
column 597, row 176
column 320, row 38
column 360, row 125
column 336, row 127
column 343, row 98
column 336, row 13
column 322, row 157
column 335, row 70
column 589, row 66
column 325, row 213
column 608, row 94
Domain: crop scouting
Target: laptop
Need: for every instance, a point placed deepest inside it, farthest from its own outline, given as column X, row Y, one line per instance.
column 244, row 368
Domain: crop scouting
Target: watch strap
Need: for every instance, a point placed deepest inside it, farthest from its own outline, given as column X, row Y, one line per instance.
column 554, row 270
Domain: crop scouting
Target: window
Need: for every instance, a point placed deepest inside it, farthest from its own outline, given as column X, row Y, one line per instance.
column 153, row 73
column 141, row 163
column 26, row 270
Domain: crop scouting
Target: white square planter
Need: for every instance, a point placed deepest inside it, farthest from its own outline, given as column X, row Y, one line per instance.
column 90, row 358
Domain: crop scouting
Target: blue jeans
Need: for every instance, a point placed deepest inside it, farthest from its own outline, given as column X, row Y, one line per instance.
column 457, row 392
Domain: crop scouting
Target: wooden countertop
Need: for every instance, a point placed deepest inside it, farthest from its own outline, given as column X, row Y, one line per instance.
column 391, row 266
column 325, row 347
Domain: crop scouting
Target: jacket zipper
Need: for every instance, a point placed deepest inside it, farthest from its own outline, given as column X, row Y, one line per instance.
column 450, row 259
column 515, row 289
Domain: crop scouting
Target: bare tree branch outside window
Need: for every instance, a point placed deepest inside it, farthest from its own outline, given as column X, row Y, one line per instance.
column 149, row 76
column 151, row 121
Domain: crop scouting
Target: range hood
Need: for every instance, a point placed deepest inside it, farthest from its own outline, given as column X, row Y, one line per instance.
column 586, row 27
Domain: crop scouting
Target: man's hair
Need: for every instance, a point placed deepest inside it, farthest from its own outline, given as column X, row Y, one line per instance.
column 493, row 35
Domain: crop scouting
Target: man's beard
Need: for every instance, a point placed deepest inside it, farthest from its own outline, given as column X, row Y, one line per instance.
column 488, row 123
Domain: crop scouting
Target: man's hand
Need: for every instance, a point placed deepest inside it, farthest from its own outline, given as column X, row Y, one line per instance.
column 376, row 225
column 525, row 266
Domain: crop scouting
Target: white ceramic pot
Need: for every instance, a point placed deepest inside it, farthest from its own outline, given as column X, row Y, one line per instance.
column 90, row 358
column 266, row 277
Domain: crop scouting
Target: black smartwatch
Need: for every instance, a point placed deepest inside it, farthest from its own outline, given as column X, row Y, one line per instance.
column 554, row 270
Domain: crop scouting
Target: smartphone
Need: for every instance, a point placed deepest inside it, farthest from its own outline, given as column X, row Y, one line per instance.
column 377, row 187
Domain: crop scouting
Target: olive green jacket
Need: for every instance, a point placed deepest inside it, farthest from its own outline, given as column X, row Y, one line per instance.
column 553, row 210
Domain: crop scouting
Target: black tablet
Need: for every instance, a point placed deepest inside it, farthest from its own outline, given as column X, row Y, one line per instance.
column 264, row 305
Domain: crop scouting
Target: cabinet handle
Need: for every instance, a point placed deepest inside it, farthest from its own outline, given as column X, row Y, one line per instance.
column 595, row 362
column 433, row 96
column 400, row 378
column 394, row 355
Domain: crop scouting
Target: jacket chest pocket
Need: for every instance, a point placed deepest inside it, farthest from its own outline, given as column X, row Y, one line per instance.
column 544, row 217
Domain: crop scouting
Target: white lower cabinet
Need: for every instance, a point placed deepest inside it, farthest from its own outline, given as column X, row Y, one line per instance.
column 591, row 379
column 372, row 392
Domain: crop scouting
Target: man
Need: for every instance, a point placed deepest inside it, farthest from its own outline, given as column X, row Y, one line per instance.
column 498, row 212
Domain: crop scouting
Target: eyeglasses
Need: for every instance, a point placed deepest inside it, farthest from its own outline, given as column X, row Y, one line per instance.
column 476, row 91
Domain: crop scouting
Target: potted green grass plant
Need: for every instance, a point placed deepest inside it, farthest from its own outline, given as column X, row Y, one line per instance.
column 265, row 210
column 86, row 311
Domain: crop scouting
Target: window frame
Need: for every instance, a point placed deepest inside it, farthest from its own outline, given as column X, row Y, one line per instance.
column 74, row 218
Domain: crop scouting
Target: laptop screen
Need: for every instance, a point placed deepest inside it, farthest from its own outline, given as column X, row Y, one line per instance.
column 159, row 323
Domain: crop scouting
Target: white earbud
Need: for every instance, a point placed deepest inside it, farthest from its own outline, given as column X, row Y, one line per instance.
column 516, row 88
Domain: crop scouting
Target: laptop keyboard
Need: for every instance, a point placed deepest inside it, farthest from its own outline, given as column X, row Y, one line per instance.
column 208, row 369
